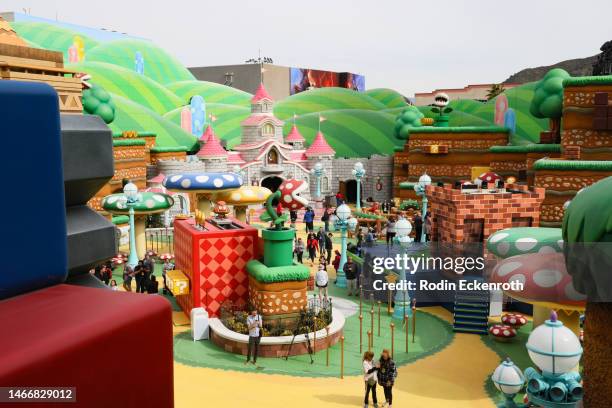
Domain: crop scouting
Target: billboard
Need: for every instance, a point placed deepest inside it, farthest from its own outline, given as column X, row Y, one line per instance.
column 303, row 79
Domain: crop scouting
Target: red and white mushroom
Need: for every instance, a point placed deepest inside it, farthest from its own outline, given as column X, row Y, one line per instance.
column 490, row 178
column 515, row 320
column 546, row 285
column 166, row 256
column 502, row 332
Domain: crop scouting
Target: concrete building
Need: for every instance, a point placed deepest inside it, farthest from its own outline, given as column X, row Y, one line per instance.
column 477, row 92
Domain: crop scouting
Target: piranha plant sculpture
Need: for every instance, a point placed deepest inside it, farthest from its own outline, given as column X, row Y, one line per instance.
column 277, row 286
column 440, row 107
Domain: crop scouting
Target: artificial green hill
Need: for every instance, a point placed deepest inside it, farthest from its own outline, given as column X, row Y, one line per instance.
column 130, row 115
column 351, row 132
column 227, row 125
column 325, row 99
column 51, row 37
column 389, row 97
column 131, row 85
column 211, row 92
column 158, row 64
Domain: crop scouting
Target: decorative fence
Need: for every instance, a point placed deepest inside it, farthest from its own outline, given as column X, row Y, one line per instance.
column 160, row 240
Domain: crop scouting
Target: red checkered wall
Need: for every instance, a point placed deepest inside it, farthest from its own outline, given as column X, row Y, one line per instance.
column 183, row 248
column 223, row 274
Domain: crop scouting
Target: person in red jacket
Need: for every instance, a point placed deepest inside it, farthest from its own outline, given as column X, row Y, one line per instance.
column 336, row 261
column 312, row 245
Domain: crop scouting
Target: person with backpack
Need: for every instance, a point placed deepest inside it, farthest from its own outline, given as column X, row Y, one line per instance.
column 321, row 239
column 387, row 373
column 321, row 280
column 325, row 219
column 350, row 272
column 329, row 244
column 370, row 378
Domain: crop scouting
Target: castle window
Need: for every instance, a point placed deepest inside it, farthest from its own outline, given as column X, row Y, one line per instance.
column 272, row 156
column 267, row 130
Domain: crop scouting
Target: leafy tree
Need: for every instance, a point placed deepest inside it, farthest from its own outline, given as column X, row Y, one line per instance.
column 97, row 101
column 495, row 90
column 587, row 236
column 547, row 101
column 408, row 118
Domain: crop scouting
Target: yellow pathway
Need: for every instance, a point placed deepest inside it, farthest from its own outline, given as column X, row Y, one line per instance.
column 452, row 378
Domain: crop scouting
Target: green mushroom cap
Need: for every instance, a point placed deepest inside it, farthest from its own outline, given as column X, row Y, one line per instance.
column 525, row 240
column 150, row 203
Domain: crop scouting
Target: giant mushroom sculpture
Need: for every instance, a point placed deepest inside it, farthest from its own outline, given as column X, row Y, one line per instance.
column 546, row 285
column 525, row 240
column 243, row 197
column 204, row 185
column 148, row 203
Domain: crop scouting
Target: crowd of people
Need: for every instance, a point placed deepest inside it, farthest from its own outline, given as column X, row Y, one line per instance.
column 143, row 275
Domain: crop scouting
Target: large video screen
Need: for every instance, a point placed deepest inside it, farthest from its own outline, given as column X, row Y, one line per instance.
column 303, row 79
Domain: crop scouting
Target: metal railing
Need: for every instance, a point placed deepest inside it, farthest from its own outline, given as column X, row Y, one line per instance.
column 160, row 240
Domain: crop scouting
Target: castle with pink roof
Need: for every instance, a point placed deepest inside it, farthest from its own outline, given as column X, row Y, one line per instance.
column 265, row 157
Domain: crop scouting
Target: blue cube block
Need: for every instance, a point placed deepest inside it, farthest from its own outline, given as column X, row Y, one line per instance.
column 34, row 213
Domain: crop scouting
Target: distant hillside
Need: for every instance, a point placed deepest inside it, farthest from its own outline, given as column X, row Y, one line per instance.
column 575, row 67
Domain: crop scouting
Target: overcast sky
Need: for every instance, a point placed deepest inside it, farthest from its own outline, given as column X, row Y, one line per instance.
column 407, row 45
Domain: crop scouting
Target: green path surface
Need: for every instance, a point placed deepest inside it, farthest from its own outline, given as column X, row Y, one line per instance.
column 433, row 334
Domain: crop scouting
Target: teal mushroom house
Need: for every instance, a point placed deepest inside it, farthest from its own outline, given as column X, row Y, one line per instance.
column 203, row 185
column 148, row 203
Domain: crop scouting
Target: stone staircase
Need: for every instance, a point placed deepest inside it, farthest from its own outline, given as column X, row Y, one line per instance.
column 471, row 312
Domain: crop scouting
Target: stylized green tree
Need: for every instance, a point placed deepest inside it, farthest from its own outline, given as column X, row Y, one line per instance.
column 547, row 101
column 97, row 101
column 408, row 118
column 587, row 236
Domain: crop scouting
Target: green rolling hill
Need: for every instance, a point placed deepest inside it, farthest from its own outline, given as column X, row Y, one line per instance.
column 388, row 97
column 51, row 37
column 211, row 92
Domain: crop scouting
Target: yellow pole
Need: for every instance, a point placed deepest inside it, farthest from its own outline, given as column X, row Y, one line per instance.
column 372, row 324
column 327, row 350
column 406, row 328
column 413, row 322
column 360, row 333
column 342, row 357
column 379, row 318
column 139, row 234
column 392, row 339
column 360, row 298
column 314, row 342
column 369, row 340
column 389, row 302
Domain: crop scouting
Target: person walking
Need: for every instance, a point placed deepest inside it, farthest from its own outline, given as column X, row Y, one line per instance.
column 321, row 280
column 325, row 219
column 387, row 373
column 255, row 327
column 321, row 239
column 350, row 272
column 428, row 226
column 418, row 226
column 336, row 261
column 140, row 275
column 370, row 378
column 329, row 244
column 312, row 245
column 128, row 275
column 390, row 231
column 293, row 216
column 309, row 215
column 299, row 250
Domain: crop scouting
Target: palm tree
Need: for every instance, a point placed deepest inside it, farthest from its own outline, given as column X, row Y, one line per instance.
column 495, row 90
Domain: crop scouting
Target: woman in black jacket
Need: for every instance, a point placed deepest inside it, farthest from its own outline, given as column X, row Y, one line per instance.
column 387, row 372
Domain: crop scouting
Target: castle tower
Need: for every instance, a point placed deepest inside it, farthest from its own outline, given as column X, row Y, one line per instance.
column 320, row 151
column 212, row 153
column 295, row 138
column 261, row 124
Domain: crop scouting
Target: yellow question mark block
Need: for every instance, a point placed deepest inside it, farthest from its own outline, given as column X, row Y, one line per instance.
column 177, row 282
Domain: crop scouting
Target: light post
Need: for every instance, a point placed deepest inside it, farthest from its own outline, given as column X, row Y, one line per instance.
column 130, row 192
column 318, row 172
column 555, row 350
column 343, row 222
column 358, row 172
column 402, row 299
column 419, row 189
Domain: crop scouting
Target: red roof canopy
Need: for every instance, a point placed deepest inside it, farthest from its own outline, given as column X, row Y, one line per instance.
column 261, row 94
column 320, row 147
column 206, row 134
column 294, row 135
column 212, row 147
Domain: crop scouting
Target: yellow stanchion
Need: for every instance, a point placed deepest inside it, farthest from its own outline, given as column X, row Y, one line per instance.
column 379, row 318
column 342, row 357
column 406, row 328
column 327, row 350
column 360, row 333
column 392, row 339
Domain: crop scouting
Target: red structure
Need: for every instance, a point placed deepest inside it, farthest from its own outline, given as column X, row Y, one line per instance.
column 463, row 217
column 69, row 336
column 214, row 259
